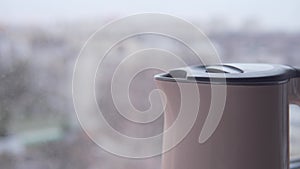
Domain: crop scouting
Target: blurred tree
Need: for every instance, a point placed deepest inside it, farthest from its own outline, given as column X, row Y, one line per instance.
column 12, row 85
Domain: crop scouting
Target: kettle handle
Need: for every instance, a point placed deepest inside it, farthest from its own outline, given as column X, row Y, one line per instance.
column 294, row 98
column 294, row 88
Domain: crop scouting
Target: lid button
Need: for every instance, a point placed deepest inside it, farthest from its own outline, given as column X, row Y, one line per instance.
column 223, row 69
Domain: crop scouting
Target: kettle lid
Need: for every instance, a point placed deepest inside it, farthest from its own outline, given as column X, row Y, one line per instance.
column 232, row 73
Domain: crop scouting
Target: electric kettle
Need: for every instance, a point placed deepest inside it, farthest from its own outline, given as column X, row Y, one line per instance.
column 252, row 131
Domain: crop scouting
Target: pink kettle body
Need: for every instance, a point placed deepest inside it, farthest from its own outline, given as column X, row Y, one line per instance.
column 253, row 132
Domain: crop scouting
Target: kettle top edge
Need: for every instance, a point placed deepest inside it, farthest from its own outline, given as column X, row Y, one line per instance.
column 232, row 74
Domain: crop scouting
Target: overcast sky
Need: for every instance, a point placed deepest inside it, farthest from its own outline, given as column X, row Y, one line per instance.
column 273, row 14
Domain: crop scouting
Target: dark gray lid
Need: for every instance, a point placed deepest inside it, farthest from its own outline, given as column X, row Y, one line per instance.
column 232, row 73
